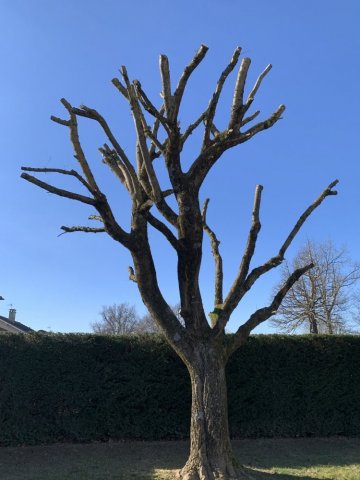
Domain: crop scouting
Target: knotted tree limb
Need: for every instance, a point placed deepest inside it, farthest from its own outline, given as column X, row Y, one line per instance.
column 217, row 257
column 98, row 218
column 132, row 275
column 80, row 228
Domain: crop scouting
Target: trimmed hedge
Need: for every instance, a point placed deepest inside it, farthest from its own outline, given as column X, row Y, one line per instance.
column 77, row 387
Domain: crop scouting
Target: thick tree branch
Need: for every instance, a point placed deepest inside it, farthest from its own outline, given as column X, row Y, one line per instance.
column 238, row 102
column 259, row 127
column 188, row 70
column 166, row 86
column 162, row 228
column 60, row 121
column 209, row 118
column 79, row 153
column 122, row 89
column 250, row 118
column 72, row 173
column 217, row 257
column 58, row 191
column 263, row 314
column 191, row 128
column 256, row 87
column 328, row 191
column 140, row 125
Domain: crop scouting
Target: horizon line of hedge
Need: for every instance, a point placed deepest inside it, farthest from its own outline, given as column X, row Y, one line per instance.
column 85, row 387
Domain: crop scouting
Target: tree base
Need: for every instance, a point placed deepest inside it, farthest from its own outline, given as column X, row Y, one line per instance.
column 193, row 471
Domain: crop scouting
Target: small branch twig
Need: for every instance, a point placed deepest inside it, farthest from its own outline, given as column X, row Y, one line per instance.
column 81, row 229
column 256, row 87
column 149, row 106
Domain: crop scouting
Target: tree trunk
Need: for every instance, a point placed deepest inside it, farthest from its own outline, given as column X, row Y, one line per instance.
column 313, row 325
column 211, row 454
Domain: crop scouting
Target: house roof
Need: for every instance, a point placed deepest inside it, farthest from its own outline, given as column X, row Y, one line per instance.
column 13, row 326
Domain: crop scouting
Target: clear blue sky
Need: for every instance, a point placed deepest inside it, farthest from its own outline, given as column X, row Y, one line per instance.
column 72, row 49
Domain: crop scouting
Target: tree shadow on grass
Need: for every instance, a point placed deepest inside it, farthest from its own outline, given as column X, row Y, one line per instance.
column 160, row 473
column 257, row 475
column 265, row 454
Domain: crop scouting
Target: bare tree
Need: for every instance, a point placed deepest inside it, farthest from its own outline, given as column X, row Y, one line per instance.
column 120, row 319
column 200, row 344
column 323, row 299
column 147, row 324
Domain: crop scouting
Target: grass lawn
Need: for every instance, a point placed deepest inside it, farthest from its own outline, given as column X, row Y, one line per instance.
column 266, row 459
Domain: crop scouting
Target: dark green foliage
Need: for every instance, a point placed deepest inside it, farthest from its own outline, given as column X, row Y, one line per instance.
column 89, row 387
column 295, row 386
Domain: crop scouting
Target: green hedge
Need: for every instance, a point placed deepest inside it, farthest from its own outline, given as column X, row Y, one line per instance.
column 87, row 387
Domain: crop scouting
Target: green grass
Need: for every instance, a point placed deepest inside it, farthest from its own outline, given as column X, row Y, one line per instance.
column 267, row 459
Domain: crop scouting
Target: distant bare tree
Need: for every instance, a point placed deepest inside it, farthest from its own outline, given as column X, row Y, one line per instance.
column 323, row 299
column 147, row 324
column 120, row 319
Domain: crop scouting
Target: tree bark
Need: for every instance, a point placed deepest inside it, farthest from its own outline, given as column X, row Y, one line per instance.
column 211, row 454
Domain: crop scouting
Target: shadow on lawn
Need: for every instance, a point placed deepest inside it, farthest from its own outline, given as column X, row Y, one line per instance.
column 256, row 475
column 252, row 475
